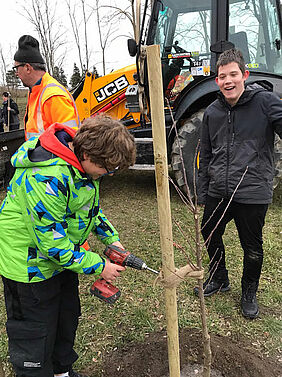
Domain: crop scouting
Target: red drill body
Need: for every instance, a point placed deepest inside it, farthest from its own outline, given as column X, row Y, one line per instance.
column 106, row 291
column 117, row 255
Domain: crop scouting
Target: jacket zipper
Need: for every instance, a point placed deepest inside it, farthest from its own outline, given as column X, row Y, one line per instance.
column 228, row 150
column 90, row 219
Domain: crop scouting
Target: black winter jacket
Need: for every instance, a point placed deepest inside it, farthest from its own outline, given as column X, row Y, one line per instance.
column 14, row 119
column 237, row 138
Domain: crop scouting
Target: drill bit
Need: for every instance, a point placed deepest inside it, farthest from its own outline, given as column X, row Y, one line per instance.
column 145, row 267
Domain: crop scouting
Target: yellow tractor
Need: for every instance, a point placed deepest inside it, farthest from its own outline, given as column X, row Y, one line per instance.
column 105, row 94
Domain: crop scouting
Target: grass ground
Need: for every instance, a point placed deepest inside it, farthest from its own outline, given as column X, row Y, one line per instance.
column 129, row 201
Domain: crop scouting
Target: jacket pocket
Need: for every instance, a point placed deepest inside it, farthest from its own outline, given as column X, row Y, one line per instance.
column 27, row 343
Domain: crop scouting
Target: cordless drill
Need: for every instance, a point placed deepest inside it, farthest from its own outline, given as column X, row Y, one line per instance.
column 105, row 290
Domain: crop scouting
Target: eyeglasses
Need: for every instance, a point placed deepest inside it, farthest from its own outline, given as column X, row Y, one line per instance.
column 110, row 171
column 15, row 68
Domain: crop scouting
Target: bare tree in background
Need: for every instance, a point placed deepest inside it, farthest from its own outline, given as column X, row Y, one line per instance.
column 106, row 30
column 129, row 12
column 81, row 39
column 3, row 67
column 42, row 15
column 105, row 22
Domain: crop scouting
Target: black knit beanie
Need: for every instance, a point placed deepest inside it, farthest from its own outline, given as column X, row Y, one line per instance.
column 28, row 51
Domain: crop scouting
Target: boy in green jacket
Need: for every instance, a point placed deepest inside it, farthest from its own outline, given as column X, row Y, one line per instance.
column 52, row 205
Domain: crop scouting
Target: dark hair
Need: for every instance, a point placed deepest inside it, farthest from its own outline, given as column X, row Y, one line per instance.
column 5, row 94
column 38, row 66
column 230, row 56
column 106, row 141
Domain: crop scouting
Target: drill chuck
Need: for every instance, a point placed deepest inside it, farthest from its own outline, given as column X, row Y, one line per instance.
column 125, row 258
column 138, row 263
column 135, row 262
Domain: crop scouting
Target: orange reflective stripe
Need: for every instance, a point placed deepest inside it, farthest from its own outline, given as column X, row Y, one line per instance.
column 66, row 92
column 36, row 121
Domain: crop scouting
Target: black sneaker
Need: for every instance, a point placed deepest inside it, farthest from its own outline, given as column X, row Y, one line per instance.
column 212, row 286
column 249, row 304
column 73, row 373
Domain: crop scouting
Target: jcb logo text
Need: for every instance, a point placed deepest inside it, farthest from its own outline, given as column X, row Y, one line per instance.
column 111, row 88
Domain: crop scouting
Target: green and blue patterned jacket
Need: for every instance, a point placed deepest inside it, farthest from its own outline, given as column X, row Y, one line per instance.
column 50, row 209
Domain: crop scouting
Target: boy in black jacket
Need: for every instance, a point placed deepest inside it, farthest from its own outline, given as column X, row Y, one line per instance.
column 237, row 159
column 10, row 112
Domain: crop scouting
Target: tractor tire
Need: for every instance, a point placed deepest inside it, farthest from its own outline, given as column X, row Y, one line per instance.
column 186, row 144
column 277, row 161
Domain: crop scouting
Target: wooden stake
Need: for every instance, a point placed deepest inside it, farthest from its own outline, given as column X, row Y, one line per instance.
column 161, row 168
column 8, row 105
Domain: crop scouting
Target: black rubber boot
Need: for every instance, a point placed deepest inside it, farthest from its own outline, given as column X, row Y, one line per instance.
column 213, row 286
column 249, row 303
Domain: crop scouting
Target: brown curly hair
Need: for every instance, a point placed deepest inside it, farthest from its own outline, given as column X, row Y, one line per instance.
column 106, row 142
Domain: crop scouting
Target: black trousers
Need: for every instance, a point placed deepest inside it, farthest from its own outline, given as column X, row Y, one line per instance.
column 42, row 319
column 14, row 127
column 249, row 221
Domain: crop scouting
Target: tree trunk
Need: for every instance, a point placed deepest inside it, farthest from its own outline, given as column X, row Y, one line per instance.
column 206, row 337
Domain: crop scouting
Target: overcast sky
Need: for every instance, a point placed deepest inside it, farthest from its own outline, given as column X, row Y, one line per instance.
column 14, row 25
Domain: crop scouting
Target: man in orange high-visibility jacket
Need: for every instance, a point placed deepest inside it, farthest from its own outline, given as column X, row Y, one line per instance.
column 48, row 101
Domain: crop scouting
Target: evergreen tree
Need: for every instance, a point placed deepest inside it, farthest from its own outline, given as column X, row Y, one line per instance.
column 59, row 75
column 56, row 73
column 12, row 80
column 63, row 77
column 95, row 72
column 83, row 71
column 75, row 78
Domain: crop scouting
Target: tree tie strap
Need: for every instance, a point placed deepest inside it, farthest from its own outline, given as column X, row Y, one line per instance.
column 180, row 274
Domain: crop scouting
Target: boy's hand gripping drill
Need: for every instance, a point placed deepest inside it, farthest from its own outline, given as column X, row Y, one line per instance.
column 105, row 290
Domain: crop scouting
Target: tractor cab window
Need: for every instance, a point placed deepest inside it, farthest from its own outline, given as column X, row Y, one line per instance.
column 254, row 29
column 183, row 33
